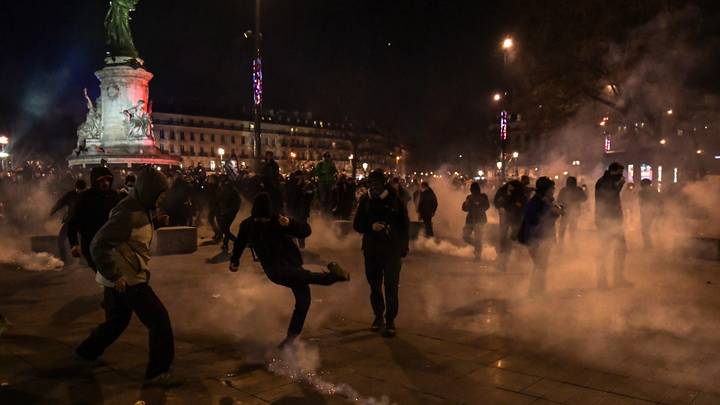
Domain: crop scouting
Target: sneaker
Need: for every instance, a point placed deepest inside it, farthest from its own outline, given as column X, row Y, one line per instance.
column 164, row 380
column 377, row 324
column 338, row 271
column 389, row 331
column 4, row 325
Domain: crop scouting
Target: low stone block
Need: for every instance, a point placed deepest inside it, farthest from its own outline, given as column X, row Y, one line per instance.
column 176, row 240
column 45, row 243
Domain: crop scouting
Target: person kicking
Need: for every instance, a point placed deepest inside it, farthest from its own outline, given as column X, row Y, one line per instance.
column 271, row 238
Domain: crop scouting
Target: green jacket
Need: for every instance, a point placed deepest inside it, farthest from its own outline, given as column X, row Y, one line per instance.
column 325, row 172
column 121, row 248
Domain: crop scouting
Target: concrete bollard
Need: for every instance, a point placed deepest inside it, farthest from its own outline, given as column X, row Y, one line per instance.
column 175, row 240
column 45, row 243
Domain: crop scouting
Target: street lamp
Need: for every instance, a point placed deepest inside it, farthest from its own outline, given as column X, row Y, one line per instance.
column 507, row 43
column 515, row 155
column 699, row 151
column 663, row 141
column 221, row 152
column 365, row 167
column 4, row 141
column 497, row 97
column 669, row 112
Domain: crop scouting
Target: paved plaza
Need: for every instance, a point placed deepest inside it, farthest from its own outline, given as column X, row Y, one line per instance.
column 466, row 334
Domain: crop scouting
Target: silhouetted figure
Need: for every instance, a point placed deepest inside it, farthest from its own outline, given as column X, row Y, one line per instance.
column 570, row 199
column 510, row 200
column 228, row 207
column 325, row 171
column 343, row 198
column 91, row 212
column 650, row 209
column 537, row 231
column 426, row 207
column 476, row 205
column 270, row 236
column 68, row 200
column 609, row 223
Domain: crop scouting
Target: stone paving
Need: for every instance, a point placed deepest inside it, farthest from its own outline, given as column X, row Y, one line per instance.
column 464, row 337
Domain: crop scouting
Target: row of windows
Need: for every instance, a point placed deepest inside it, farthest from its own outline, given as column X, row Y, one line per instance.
column 243, row 140
column 191, row 151
column 181, row 136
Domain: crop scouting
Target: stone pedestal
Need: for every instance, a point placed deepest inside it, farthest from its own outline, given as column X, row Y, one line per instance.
column 124, row 91
column 176, row 240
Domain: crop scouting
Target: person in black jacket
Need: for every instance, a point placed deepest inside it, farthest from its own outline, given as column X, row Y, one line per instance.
column 510, row 200
column 300, row 192
column 91, row 212
column 426, row 207
column 382, row 219
column 537, row 230
column 67, row 201
column 343, row 198
column 476, row 205
column 570, row 199
column 270, row 236
column 609, row 223
column 228, row 206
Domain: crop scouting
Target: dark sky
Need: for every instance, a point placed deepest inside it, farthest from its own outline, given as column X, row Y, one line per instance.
column 330, row 57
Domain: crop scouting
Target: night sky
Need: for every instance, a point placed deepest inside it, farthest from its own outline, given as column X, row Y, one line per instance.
column 330, row 57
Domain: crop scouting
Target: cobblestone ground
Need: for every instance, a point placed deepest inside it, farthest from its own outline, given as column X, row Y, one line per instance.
column 466, row 334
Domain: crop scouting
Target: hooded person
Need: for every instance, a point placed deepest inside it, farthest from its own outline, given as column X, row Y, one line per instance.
column 476, row 204
column 382, row 219
column 271, row 238
column 121, row 252
column 570, row 198
column 91, row 212
column 537, row 230
column 609, row 223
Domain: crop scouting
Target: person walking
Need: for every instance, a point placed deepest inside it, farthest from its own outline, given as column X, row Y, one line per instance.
column 121, row 252
column 270, row 236
column 91, row 212
column 426, row 207
column 68, row 200
column 476, row 205
column 570, row 198
column 537, row 231
column 228, row 207
column 382, row 219
column 609, row 224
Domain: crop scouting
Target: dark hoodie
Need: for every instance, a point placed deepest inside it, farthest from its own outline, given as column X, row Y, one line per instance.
column 608, row 206
column 271, row 242
column 91, row 211
column 387, row 208
column 121, row 247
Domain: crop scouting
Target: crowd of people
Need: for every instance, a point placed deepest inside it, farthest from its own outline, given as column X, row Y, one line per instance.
column 111, row 227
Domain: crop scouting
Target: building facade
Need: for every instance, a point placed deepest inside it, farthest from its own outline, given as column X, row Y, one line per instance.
column 296, row 141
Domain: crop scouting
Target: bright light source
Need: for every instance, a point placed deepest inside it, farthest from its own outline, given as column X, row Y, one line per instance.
column 499, row 165
column 4, row 155
column 351, row 157
column 481, row 173
column 507, row 43
column 675, row 175
column 565, row 173
column 663, row 141
column 515, row 155
column 670, row 112
column 4, row 140
column 397, row 158
column 602, row 123
column 293, row 155
column 365, row 166
column 659, row 173
column 699, row 151
column 497, row 97
column 221, row 152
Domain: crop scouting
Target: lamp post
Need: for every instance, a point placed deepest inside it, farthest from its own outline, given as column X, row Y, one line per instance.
column 4, row 141
column 221, row 152
column 365, row 167
column 257, row 80
column 515, row 156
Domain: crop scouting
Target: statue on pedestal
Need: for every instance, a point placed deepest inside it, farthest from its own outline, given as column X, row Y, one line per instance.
column 117, row 28
column 138, row 122
column 92, row 127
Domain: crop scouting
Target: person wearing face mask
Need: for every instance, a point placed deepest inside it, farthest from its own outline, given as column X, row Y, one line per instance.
column 382, row 219
column 609, row 224
column 121, row 252
column 91, row 212
column 271, row 238
column 537, row 230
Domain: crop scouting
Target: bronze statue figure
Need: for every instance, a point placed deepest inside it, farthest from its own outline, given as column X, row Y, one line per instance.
column 117, row 28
